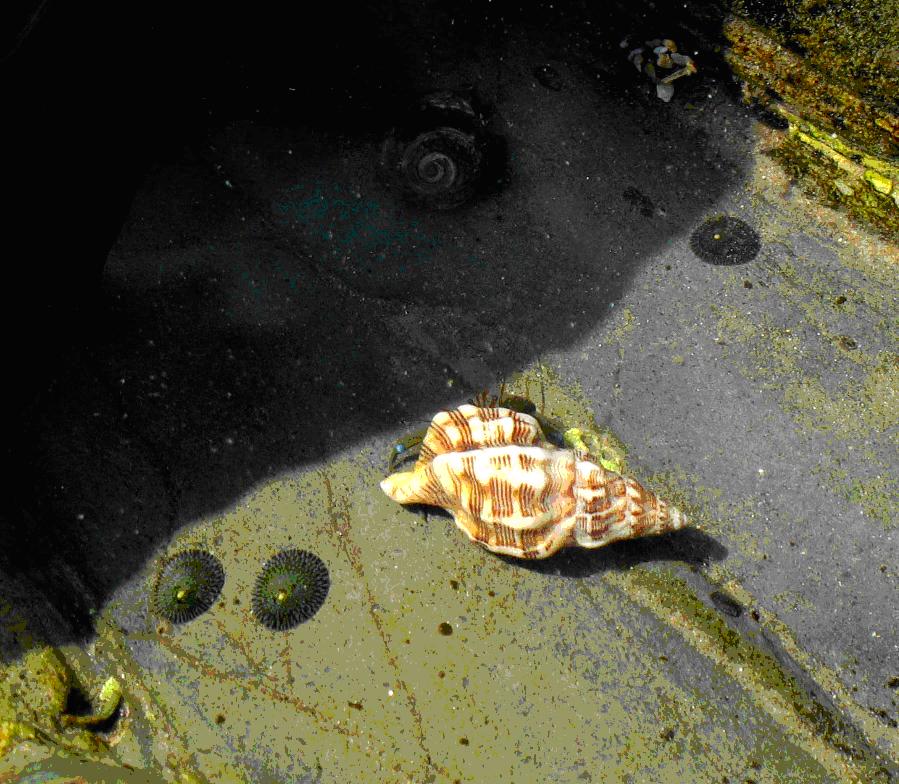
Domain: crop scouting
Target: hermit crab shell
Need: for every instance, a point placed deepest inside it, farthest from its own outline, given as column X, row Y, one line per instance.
column 515, row 493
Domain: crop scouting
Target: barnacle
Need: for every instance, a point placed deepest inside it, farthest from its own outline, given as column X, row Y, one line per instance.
column 186, row 585
column 290, row 589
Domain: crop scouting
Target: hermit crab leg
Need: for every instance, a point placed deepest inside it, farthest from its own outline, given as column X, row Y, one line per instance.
column 685, row 71
column 405, row 449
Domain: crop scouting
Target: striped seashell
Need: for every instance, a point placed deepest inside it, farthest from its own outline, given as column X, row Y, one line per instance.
column 515, row 493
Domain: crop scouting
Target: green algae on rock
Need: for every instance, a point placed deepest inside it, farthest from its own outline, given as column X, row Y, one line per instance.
column 34, row 696
column 609, row 658
column 837, row 98
column 865, row 408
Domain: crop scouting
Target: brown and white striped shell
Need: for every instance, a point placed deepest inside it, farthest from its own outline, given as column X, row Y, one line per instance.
column 515, row 493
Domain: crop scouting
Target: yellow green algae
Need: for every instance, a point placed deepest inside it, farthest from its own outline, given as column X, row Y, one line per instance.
column 37, row 736
column 622, row 326
column 767, row 57
column 565, row 408
column 434, row 661
column 869, row 195
column 829, row 70
column 859, row 410
column 834, row 369
column 33, row 696
column 855, row 42
column 372, row 686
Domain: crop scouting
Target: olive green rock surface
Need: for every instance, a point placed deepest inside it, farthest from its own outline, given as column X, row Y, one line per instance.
column 432, row 660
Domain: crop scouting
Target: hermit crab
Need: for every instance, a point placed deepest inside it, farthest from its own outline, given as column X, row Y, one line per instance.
column 514, row 492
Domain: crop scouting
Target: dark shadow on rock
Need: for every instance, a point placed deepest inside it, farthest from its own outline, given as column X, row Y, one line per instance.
column 689, row 545
column 256, row 307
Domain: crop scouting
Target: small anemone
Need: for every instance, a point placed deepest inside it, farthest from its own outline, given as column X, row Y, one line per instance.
column 725, row 240
column 290, row 589
column 187, row 585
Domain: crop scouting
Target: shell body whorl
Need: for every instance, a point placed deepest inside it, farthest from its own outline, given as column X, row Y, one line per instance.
column 515, row 493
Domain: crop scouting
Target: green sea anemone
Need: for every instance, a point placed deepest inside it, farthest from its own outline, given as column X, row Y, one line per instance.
column 725, row 240
column 187, row 585
column 290, row 589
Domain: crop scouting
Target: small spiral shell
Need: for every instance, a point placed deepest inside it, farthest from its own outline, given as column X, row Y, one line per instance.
column 440, row 167
column 440, row 152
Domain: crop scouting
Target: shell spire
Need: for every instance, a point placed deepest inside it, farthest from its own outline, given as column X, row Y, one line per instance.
column 613, row 507
column 515, row 493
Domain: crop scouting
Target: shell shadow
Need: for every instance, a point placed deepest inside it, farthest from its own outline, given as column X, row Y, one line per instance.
column 689, row 545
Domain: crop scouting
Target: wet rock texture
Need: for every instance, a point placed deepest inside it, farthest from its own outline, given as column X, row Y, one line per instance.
column 271, row 305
